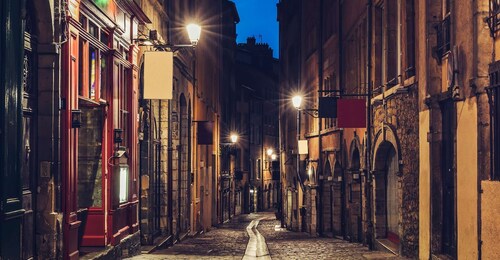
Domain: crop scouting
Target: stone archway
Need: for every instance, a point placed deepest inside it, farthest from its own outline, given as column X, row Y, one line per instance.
column 327, row 199
column 355, row 192
column 338, row 200
column 387, row 195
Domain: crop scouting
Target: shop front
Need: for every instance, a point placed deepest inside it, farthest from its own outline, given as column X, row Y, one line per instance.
column 99, row 126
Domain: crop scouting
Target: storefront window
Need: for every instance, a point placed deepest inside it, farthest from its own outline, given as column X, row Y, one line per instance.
column 90, row 158
column 92, row 72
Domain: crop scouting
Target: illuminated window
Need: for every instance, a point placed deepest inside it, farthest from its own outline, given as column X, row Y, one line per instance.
column 123, row 184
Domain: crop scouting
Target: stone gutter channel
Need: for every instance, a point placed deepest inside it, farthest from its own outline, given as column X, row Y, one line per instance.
column 256, row 247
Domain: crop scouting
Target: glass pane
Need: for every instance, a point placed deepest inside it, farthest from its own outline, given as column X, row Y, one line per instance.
column 104, row 76
column 90, row 158
column 92, row 72
column 104, row 38
column 80, row 69
column 94, row 30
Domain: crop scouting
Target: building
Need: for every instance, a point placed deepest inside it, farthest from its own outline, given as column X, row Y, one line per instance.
column 458, row 111
column 346, row 193
column 75, row 91
column 257, row 91
column 422, row 181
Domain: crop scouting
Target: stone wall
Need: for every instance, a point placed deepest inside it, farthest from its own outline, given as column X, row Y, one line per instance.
column 401, row 113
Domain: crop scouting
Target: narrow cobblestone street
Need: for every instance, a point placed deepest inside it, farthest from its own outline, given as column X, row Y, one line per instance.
column 233, row 240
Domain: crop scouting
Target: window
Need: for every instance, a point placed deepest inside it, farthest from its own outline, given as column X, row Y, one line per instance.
column 494, row 99
column 443, row 31
column 410, row 38
column 391, row 42
column 122, row 120
column 494, row 17
column 259, row 168
column 92, row 62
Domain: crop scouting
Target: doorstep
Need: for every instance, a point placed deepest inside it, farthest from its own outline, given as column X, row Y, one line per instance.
column 160, row 242
column 128, row 246
column 387, row 245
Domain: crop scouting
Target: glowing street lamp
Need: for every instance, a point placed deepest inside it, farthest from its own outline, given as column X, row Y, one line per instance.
column 297, row 101
column 194, row 32
column 234, row 138
column 270, row 151
column 274, row 157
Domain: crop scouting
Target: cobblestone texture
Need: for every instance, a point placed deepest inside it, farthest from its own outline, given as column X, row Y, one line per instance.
column 229, row 241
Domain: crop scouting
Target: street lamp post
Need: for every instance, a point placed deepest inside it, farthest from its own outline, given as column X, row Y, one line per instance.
column 233, row 138
column 194, row 32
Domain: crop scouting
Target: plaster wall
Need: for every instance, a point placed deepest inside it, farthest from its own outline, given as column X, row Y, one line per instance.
column 467, row 195
column 490, row 223
column 424, row 187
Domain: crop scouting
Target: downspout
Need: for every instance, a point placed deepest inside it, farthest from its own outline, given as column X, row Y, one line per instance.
column 319, row 193
column 368, row 124
column 169, row 167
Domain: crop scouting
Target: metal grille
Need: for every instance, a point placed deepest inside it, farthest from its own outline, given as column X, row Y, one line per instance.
column 494, row 97
column 494, row 17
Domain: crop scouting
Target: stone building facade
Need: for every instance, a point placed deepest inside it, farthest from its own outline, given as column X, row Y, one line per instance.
column 257, row 89
column 371, row 199
column 422, row 181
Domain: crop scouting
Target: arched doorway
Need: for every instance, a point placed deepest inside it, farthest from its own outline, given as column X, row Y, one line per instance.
column 387, row 202
column 355, row 196
column 338, row 200
column 327, row 199
column 183, row 165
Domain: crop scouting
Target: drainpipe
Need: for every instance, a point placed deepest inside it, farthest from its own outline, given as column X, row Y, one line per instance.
column 169, row 168
column 319, row 194
column 369, row 235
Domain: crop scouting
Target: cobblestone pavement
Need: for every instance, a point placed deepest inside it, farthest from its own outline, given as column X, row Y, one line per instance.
column 229, row 241
column 283, row 244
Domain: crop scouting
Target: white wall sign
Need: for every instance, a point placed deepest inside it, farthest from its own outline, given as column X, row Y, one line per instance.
column 303, row 148
column 158, row 74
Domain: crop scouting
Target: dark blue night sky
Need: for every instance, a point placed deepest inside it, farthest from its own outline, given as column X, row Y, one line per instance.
column 258, row 18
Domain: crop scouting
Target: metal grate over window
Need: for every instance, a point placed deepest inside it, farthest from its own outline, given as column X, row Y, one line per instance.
column 494, row 17
column 494, row 101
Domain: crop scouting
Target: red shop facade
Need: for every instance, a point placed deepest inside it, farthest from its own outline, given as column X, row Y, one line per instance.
column 99, row 107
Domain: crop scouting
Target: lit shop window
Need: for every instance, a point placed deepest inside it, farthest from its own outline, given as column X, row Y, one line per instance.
column 123, row 184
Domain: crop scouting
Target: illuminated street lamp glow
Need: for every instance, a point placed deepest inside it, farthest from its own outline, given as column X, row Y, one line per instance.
column 270, row 151
column 274, row 157
column 194, row 32
column 297, row 101
column 234, row 138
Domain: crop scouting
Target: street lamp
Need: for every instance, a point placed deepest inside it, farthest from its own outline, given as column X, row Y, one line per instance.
column 274, row 157
column 193, row 30
column 226, row 178
column 270, row 151
column 234, row 138
column 297, row 101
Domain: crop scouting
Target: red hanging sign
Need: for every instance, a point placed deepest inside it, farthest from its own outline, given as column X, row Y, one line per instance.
column 351, row 113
